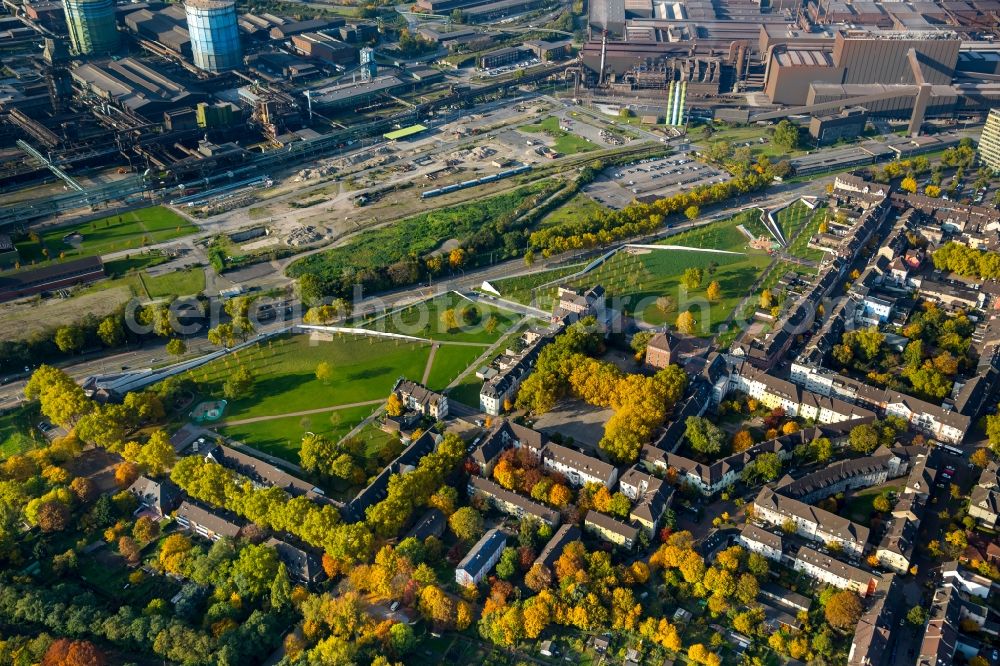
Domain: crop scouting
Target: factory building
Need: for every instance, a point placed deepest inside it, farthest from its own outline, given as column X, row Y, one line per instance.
column 167, row 26
column 132, row 84
column 215, row 35
column 92, row 27
column 855, row 57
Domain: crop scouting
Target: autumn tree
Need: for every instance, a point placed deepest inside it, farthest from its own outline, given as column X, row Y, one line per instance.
column 324, row 372
column 394, row 405
column 129, row 550
column 53, row 516
column 145, row 529
column 843, row 610
column 714, row 291
column 66, row 652
column 742, row 441
column 686, row 323
column 69, row 339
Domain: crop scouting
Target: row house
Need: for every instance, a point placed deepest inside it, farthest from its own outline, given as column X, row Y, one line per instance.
column 564, row 536
column 758, row 540
column 831, row 571
column 510, row 502
column 872, row 636
column 611, row 529
column 504, row 435
column 711, row 478
column 773, row 392
column 811, row 522
column 263, row 474
column 206, row 523
column 938, row 421
column 578, row 468
column 378, row 489
column 984, row 502
column 845, row 475
column 503, row 386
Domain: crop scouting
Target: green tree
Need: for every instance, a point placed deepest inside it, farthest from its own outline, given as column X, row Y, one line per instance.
column 281, row 589
column 176, row 347
column 786, row 135
column 110, row 331
column 703, row 435
column 693, row 277
column 239, row 384
column 467, row 524
column 917, row 616
column 69, row 339
column 507, row 565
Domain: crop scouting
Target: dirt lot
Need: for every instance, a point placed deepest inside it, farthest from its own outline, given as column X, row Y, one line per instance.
column 21, row 319
column 576, row 419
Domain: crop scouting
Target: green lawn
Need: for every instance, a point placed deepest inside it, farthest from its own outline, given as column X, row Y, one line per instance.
column 579, row 206
column 565, row 142
column 859, row 507
column 105, row 572
column 132, row 230
column 426, row 320
column 800, row 246
column 793, row 218
column 364, row 368
column 449, row 362
column 738, row 136
column 179, row 283
column 721, row 235
column 519, row 289
column 17, row 431
column 282, row 437
column 636, row 281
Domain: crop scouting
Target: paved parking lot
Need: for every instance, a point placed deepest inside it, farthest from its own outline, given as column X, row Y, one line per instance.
column 616, row 187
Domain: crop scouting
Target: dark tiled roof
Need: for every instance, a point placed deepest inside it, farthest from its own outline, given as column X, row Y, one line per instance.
column 553, row 549
column 476, row 559
column 198, row 515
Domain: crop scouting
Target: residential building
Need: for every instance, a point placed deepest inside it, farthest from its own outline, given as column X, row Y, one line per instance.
column 661, row 349
column 503, row 386
column 758, row 540
column 811, row 522
column 773, row 392
column 160, row 497
column 504, row 435
column 832, row 571
column 510, row 502
column 896, row 549
column 969, row 582
column 611, row 529
column 872, row 635
column 712, row 478
column 989, row 141
column 785, row 597
column 303, row 565
column 937, row 421
column 378, row 489
column 984, row 502
column 650, row 496
column 421, row 399
column 553, row 549
column 431, row 524
column 942, row 629
column 845, row 475
column 205, row 523
column 262, row 473
column 578, row 467
column 480, row 560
